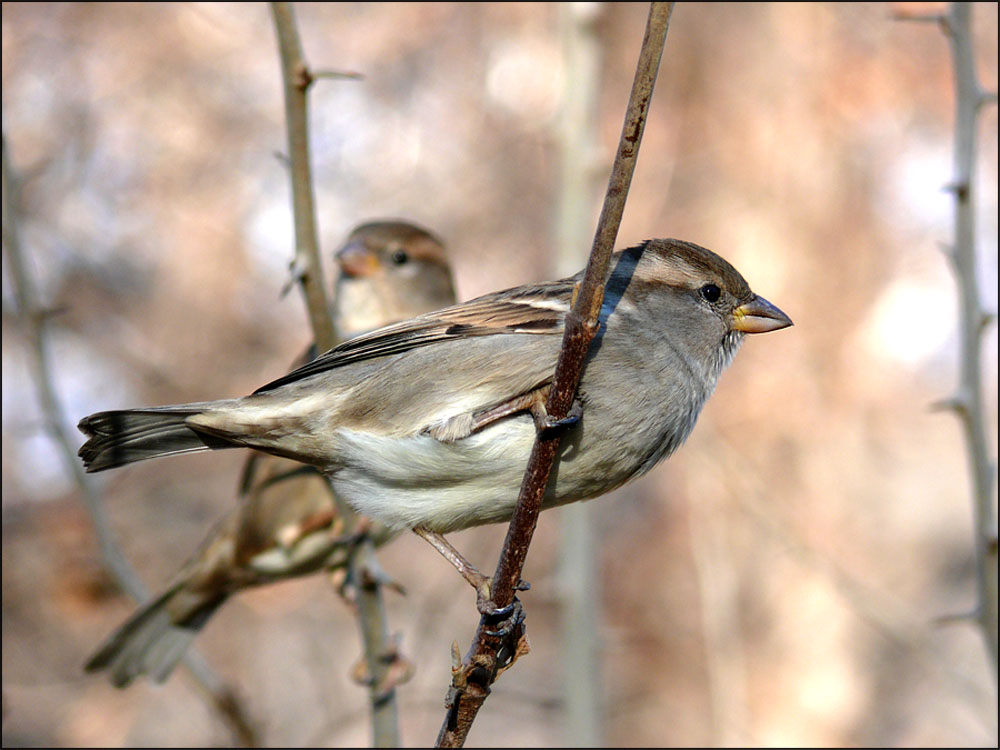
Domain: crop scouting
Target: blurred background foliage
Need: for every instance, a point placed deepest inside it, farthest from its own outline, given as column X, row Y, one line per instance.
column 774, row 583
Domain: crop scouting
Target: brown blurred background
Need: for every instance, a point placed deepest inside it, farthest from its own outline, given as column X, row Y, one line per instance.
column 774, row 583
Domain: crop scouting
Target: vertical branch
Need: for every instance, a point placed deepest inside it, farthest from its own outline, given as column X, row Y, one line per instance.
column 307, row 263
column 35, row 322
column 297, row 78
column 471, row 679
column 579, row 581
column 973, row 320
column 380, row 656
column 34, row 319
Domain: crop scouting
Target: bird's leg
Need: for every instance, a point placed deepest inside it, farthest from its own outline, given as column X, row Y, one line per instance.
column 532, row 402
column 544, row 422
column 522, row 403
column 504, row 619
column 469, row 571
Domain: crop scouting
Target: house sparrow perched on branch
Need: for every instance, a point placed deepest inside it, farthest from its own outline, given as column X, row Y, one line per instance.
column 286, row 523
column 428, row 424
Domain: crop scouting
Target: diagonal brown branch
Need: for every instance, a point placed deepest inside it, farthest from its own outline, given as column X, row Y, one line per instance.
column 578, row 136
column 220, row 695
column 297, row 78
column 472, row 679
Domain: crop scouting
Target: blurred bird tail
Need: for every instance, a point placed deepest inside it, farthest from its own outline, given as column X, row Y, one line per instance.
column 121, row 437
column 151, row 642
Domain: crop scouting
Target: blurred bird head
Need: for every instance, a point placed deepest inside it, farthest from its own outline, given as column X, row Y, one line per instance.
column 389, row 271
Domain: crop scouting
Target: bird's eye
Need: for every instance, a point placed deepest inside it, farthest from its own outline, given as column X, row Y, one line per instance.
column 711, row 292
column 399, row 257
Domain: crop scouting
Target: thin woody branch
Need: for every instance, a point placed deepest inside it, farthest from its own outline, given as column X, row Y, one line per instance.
column 219, row 694
column 307, row 264
column 297, row 78
column 472, row 679
column 968, row 403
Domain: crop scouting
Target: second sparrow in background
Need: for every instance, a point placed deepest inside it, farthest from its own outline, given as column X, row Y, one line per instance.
column 286, row 523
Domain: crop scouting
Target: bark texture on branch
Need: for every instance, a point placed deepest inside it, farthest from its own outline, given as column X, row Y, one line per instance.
column 472, row 678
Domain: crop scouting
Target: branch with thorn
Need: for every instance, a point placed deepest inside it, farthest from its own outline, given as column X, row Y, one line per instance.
column 967, row 402
column 307, row 271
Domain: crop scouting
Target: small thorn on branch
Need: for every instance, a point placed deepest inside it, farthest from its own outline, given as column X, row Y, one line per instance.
column 399, row 670
column 986, row 320
column 43, row 315
column 972, row 616
column 301, row 77
column 347, row 75
column 991, row 540
column 948, row 250
column 374, row 575
column 960, row 189
column 985, row 98
column 296, row 273
column 958, row 404
column 909, row 15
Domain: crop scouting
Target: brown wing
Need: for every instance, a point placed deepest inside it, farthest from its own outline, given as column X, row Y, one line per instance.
column 534, row 309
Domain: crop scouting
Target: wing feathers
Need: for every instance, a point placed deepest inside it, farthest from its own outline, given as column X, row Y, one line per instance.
column 539, row 309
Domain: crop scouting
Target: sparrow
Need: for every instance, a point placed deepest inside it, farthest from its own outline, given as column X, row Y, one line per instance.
column 389, row 271
column 427, row 424
column 286, row 523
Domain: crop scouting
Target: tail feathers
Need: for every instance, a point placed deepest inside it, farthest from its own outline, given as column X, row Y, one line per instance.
column 150, row 642
column 121, row 437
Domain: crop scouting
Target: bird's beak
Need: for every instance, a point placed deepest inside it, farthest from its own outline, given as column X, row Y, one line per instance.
column 355, row 260
column 759, row 316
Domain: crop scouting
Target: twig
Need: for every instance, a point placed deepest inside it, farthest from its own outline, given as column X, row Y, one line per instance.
column 348, row 75
column 472, row 679
column 34, row 318
column 307, row 264
column 968, row 402
column 371, row 609
column 385, row 667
